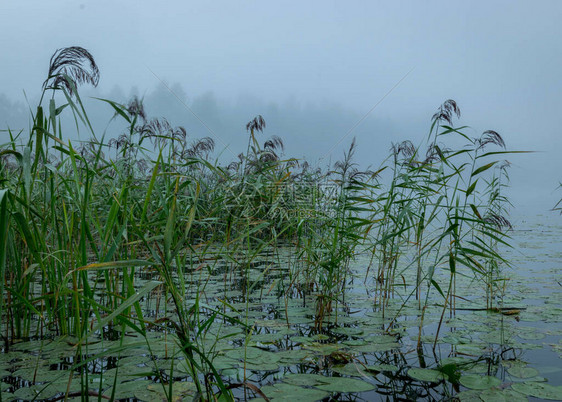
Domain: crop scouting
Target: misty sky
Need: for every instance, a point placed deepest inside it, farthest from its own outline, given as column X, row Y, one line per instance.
column 317, row 68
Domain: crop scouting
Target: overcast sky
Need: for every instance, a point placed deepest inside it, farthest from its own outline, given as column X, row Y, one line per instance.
column 500, row 60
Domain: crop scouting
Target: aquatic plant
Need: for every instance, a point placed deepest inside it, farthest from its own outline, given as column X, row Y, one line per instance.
column 145, row 235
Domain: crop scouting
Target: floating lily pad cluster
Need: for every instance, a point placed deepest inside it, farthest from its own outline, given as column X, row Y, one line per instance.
column 360, row 351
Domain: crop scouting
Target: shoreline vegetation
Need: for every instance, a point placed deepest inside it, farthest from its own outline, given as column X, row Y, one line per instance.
column 92, row 234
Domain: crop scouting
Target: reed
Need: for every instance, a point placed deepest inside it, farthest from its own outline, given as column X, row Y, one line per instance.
column 79, row 226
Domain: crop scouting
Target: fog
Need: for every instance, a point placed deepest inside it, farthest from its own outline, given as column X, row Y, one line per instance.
column 320, row 73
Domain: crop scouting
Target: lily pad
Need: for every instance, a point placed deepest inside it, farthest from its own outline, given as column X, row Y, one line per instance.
column 288, row 392
column 39, row 374
column 320, row 337
column 129, row 388
column 425, row 374
column 469, row 396
column 292, row 356
column 474, row 349
column 249, row 353
column 268, row 338
column 474, row 381
column 301, row 339
column 351, row 369
column 375, row 347
column 477, row 368
column 538, row 390
column 493, row 394
column 382, row 367
column 343, row 384
column 305, row 379
column 523, row 372
column 350, row 331
column 180, row 390
column 531, row 336
column 262, row 366
column 513, row 396
column 455, row 360
column 324, row 349
column 36, row 392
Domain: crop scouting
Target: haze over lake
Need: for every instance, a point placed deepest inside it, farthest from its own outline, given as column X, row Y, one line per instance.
column 258, row 201
column 313, row 70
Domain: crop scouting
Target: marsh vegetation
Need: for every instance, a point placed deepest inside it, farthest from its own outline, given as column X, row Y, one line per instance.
column 143, row 266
